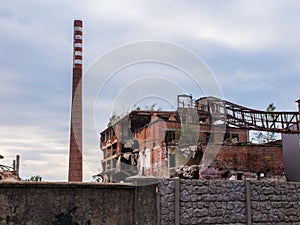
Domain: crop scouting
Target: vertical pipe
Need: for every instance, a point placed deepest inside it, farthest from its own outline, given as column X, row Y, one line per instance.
column 75, row 157
column 248, row 202
column 136, row 203
column 177, row 201
column 157, row 205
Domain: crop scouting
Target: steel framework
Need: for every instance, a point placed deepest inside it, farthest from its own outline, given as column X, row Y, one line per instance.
column 242, row 117
column 6, row 168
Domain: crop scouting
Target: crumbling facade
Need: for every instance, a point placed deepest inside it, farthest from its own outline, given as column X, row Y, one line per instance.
column 173, row 143
column 10, row 173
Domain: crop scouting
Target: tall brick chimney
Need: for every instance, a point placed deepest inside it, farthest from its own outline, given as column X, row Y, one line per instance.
column 75, row 155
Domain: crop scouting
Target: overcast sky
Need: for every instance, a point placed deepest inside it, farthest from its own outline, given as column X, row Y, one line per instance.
column 252, row 48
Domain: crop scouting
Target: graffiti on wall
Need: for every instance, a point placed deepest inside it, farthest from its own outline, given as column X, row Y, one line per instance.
column 67, row 219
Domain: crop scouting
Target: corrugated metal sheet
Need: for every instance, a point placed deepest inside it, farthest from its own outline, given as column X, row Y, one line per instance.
column 291, row 154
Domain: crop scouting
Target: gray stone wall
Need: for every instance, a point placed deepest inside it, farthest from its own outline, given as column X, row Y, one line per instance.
column 275, row 203
column 104, row 204
column 167, row 201
column 203, row 202
column 228, row 202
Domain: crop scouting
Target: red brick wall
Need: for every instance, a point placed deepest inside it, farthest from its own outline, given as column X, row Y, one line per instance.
column 250, row 158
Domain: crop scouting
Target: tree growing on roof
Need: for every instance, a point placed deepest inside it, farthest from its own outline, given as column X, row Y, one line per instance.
column 113, row 119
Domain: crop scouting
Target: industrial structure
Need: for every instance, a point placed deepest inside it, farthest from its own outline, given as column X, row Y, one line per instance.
column 176, row 143
column 10, row 173
column 75, row 155
column 172, row 143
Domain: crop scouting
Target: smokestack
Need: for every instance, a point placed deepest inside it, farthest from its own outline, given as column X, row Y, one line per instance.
column 75, row 156
column 17, row 168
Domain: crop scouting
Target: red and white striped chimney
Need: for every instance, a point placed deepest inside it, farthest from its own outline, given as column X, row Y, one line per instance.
column 75, row 155
column 78, row 43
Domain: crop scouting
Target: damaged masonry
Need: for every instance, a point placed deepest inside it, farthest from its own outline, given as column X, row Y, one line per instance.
column 10, row 173
column 173, row 143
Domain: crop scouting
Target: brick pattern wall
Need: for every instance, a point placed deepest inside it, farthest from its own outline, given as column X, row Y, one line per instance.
column 275, row 203
column 167, row 201
column 225, row 202
column 249, row 158
column 207, row 202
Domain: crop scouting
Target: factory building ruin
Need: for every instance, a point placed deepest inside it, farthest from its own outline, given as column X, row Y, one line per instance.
column 172, row 143
column 10, row 173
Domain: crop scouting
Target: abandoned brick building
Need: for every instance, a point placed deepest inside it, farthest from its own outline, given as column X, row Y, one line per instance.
column 173, row 143
column 10, row 173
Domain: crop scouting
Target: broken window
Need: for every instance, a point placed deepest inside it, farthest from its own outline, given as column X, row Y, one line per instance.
column 209, row 137
column 235, row 137
column 226, row 136
column 139, row 121
column 170, row 136
column 239, row 176
column 114, row 163
column 147, row 158
column 163, row 117
column 231, row 137
column 104, row 152
column 172, row 160
column 226, row 174
column 141, row 160
column 114, row 148
column 108, row 164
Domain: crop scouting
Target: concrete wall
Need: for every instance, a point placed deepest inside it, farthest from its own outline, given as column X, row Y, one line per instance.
column 181, row 202
column 189, row 202
column 104, row 204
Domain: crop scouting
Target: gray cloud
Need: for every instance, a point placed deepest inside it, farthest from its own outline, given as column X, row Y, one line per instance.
column 251, row 46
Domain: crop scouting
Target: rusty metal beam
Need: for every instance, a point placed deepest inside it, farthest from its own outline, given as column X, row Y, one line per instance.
column 242, row 117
